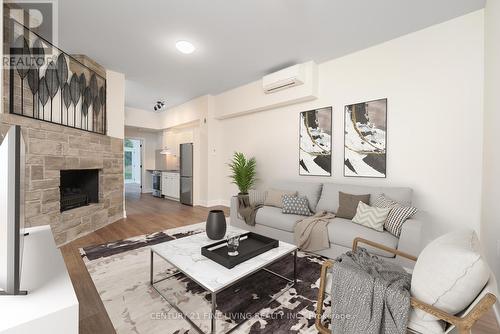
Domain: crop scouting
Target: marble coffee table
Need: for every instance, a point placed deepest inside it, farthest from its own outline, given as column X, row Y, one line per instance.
column 185, row 255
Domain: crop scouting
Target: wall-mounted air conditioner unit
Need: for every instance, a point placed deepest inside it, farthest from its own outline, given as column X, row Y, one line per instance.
column 288, row 77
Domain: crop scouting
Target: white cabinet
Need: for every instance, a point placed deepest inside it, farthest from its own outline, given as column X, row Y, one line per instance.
column 170, row 184
column 164, row 183
column 175, row 186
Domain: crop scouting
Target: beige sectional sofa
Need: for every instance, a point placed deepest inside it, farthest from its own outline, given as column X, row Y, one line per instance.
column 272, row 222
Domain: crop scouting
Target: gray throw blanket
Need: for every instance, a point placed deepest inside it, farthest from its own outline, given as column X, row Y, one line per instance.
column 246, row 210
column 311, row 234
column 369, row 295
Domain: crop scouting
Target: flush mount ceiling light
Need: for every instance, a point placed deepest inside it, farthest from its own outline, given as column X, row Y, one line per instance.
column 185, row 47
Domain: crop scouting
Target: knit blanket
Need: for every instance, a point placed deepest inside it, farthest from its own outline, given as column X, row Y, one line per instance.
column 369, row 295
column 247, row 211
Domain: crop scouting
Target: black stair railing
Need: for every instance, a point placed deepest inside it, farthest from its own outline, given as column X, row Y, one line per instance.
column 47, row 84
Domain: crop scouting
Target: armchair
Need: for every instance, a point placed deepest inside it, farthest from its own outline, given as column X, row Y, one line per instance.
column 464, row 322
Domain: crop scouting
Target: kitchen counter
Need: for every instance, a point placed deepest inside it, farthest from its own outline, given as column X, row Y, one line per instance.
column 164, row 170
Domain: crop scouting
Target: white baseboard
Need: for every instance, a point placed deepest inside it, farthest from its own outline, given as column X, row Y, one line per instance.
column 216, row 202
column 225, row 202
column 200, row 203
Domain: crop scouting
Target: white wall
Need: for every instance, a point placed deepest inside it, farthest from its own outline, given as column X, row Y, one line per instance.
column 143, row 118
column 151, row 141
column 490, row 225
column 252, row 98
column 115, row 103
column 433, row 80
column 191, row 111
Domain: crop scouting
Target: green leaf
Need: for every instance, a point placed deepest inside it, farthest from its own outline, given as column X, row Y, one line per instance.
column 244, row 173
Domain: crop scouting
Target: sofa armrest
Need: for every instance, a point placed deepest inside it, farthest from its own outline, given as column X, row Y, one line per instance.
column 410, row 240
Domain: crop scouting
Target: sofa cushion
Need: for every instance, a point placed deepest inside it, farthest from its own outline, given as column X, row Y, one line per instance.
column 310, row 190
column 398, row 215
column 371, row 216
column 256, row 197
column 449, row 274
column 428, row 327
column 343, row 231
column 329, row 200
column 273, row 217
column 274, row 197
column 348, row 204
column 295, row 205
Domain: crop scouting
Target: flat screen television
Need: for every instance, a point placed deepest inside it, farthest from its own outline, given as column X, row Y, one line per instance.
column 12, row 174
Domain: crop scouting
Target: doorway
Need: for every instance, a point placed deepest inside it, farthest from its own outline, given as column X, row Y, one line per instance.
column 133, row 165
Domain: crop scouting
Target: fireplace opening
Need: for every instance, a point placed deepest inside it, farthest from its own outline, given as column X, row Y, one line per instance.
column 79, row 187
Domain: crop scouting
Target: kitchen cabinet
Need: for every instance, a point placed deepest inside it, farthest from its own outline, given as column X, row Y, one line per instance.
column 170, row 184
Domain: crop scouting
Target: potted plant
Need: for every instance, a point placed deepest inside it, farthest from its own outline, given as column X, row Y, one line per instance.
column 243, row 172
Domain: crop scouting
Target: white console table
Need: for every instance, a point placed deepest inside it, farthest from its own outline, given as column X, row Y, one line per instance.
column 51, row 306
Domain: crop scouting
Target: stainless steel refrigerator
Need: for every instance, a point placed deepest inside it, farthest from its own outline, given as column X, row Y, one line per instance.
column 186, row 171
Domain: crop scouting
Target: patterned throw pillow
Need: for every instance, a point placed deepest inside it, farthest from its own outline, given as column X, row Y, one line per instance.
column 398, row 215
column 371, row 216
column 296, row 205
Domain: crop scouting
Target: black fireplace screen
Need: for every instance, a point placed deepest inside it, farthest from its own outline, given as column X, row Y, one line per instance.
column 79, row 188
column 47, row 84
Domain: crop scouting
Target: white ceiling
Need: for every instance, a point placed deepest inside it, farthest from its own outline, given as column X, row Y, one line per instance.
column 237, row 41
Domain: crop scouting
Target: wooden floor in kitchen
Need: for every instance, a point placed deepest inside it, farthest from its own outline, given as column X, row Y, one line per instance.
column 146, row 214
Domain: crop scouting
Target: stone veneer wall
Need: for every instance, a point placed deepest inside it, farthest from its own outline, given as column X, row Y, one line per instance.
column 51, row 148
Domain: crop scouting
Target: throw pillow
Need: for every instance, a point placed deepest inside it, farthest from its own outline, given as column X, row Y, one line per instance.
column 256, row 197
column 398, row 215
column 296, row 205
column 348, row 204
column 449, row 274
column 371, row 216
column 274, row 197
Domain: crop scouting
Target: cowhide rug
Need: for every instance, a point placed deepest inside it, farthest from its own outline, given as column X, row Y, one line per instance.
column 120, row 271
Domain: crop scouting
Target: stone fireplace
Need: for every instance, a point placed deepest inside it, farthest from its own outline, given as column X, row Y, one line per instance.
column 51, row 150
column 53, row 153
column 78, row 187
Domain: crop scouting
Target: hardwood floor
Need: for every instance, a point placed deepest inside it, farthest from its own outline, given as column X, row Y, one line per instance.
column 147, row 214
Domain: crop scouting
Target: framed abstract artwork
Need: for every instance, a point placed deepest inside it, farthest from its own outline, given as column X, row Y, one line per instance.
column 365, row 137
column 315, row 142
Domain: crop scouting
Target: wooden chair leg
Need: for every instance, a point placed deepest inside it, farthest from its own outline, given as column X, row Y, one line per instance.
column 321, row 297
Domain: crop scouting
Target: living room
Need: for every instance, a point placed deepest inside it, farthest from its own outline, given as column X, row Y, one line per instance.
column 316, row 127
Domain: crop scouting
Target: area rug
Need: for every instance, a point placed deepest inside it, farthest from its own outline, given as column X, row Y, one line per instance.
column 120, row 271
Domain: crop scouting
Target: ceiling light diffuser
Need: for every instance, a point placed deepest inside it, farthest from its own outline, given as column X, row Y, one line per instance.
column 185, row 47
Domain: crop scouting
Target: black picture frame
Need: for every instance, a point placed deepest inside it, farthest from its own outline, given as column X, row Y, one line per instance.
column 330, row 173
column 385, row 139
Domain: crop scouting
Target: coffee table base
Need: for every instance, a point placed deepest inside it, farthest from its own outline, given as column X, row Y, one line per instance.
column 213, row 301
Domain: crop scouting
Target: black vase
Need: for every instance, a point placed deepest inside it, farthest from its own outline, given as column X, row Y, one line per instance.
column 216, row 224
